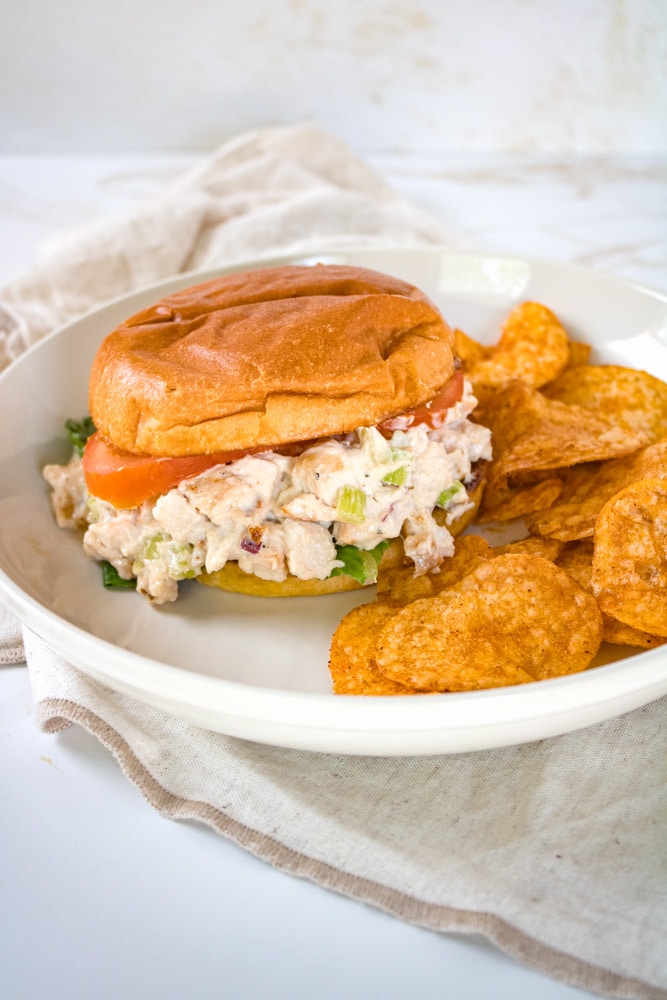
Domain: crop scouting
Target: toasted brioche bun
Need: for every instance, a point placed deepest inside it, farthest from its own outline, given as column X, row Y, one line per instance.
column 234, row 580
column 268, row 357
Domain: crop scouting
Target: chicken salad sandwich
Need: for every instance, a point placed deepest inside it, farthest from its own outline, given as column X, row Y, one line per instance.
column 271, row 432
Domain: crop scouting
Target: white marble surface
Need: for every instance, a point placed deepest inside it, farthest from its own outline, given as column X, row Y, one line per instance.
column 515, row 75
column 604, row 212
column 103, row 898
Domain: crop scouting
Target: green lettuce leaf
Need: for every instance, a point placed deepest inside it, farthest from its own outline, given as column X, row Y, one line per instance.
column 360, row 564
column 112, row 579
column 78, row 432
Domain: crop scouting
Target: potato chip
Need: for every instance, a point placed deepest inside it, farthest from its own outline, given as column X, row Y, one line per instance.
column 579, row 353
column 630, row 556
column 519, row 501
column 470, row 551
column 398, row 585
column 529, row 491
column 416, row 649
column 533, row 347
column 630, row 397
column 351, row 663
column 576, row 558
column 548, row 548
column 533, row 433
column 513, row 619
column 574, row 515
column 467, row 350
column 619, row 634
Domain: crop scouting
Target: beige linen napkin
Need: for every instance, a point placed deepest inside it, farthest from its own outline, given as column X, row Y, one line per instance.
column 557, row 850
column 271, row 191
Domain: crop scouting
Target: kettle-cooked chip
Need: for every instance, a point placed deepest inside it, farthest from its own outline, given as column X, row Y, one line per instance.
column 351, row 660
column 398, row 584
column 533, row 433
column 576, row 558
column 467, row 350
column 579, row 353
column 512, row 619
column 534, row 545
column 575, row 512
column 630, row 397
column 533, row 347
column 505, row 504
column 619, row 634
column 630, row 556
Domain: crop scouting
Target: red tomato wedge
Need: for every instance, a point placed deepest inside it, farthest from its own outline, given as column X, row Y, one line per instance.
column 450, row 394
column 126, row 480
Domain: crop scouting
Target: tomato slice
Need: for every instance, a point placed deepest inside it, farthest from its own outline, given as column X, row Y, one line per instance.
column 126, row 480
column 451, row 393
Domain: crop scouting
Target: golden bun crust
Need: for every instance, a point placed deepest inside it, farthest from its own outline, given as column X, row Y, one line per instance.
column 234, row 580
column 268, row 357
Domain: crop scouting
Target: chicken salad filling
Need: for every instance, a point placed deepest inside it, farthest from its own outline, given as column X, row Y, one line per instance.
column 328, row 510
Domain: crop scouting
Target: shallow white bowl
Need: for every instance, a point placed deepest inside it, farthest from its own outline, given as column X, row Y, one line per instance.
column 257, row 668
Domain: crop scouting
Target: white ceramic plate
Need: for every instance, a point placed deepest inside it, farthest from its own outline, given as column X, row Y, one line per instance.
column 257, row 668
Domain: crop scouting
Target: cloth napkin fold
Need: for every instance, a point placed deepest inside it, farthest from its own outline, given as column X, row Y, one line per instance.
column 270, row 191
column 556, row 850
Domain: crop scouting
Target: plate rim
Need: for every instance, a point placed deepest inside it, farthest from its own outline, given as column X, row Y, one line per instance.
column 197, row 275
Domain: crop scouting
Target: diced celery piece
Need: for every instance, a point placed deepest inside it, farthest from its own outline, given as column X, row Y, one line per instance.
column 149, row 548
column 93, row 510
column 448, row 494
column 178, row 557
column 351, row 505
column 398, row 477
column 375, row 446
column 179, row 560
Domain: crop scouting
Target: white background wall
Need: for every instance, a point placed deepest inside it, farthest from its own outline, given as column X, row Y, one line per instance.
column 536, row 76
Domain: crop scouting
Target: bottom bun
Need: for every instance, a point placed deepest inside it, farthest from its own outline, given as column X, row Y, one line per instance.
column 235, row 581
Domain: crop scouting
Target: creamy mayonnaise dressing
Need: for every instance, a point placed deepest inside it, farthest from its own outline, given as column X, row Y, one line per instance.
column 277, row 515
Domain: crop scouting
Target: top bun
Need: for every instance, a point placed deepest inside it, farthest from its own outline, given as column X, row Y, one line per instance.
column 266, row 357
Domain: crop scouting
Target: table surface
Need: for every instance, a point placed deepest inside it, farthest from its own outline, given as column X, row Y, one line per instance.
column 101, row 896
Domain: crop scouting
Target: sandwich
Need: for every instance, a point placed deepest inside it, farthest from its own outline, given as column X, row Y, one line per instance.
column 273, row 432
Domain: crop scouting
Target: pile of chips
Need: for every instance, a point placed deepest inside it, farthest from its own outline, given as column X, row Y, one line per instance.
column 580, row 462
